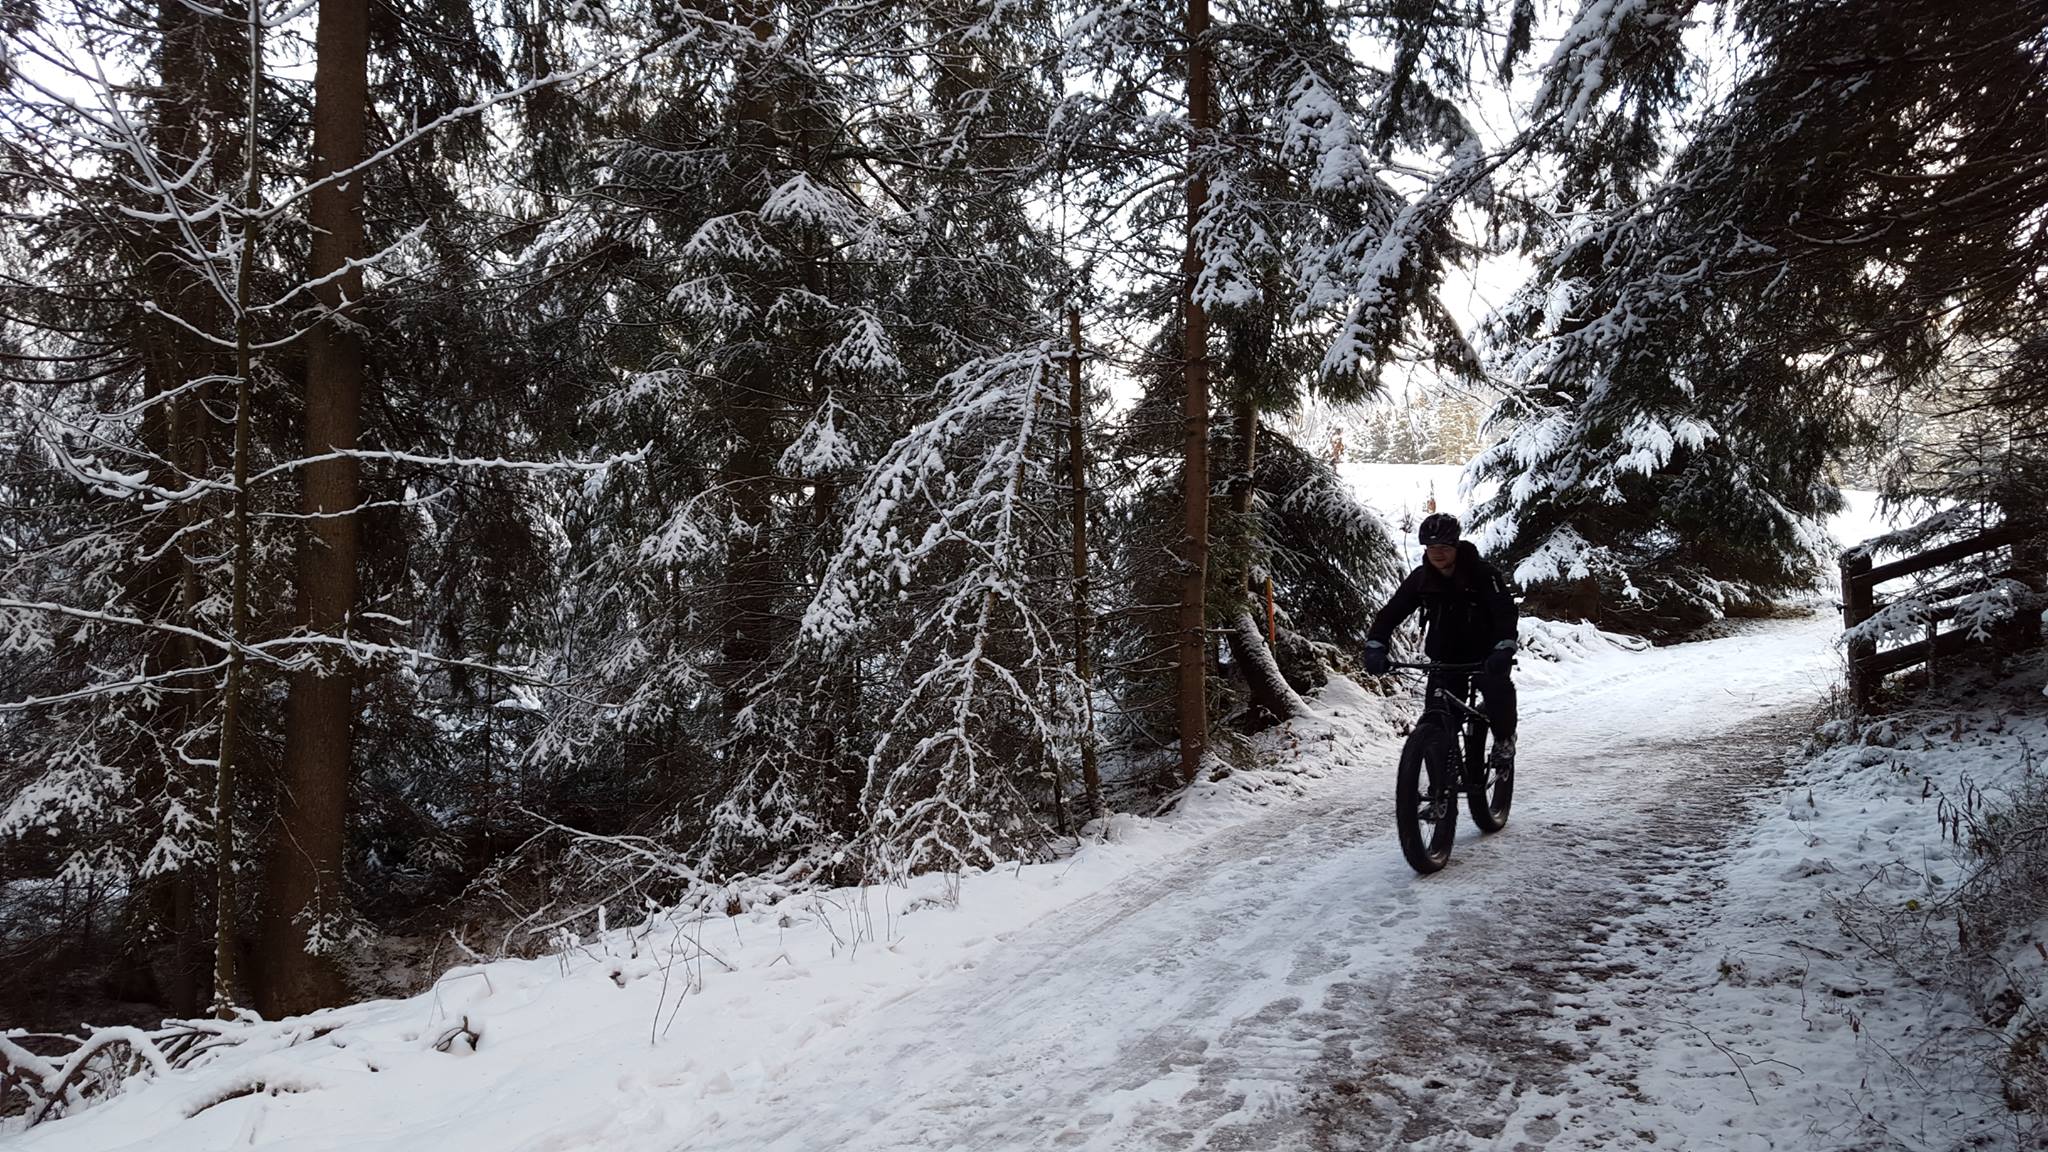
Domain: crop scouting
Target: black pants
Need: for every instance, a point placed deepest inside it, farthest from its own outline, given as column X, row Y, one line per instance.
column 1496, row 691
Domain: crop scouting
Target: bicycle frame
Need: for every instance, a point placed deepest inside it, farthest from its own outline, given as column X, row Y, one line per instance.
column 1460, row 703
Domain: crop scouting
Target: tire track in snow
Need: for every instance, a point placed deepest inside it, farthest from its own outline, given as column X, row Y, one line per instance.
column 1094, row 1023
column 1473, row 1056
column 1289, row 983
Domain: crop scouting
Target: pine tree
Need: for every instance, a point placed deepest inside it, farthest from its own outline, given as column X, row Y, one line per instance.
column 137, row 428
column 123, row 310
column 303, row 877
column 1687, row 365
column 808, row 284
column 1317, row 269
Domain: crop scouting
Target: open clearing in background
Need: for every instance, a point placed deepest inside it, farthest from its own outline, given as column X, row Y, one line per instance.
column 1401, row 494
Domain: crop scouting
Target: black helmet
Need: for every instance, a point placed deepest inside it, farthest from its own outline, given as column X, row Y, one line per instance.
column 1438, row 528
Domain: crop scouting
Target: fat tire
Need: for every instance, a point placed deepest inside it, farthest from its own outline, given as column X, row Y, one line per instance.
column 1487, row 798
column 1425, row 757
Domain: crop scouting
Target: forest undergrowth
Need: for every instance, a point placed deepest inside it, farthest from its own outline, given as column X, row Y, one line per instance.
column 1960, row 909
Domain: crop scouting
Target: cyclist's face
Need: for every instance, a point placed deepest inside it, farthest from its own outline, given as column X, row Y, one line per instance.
column 1442, row 557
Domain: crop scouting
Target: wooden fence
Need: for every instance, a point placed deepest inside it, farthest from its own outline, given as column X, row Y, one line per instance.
column 1867, row 666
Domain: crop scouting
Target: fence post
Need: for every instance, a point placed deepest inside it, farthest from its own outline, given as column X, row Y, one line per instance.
column 1857, row 606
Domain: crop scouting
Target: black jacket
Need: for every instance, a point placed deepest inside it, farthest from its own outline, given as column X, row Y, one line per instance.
column 1466, row 613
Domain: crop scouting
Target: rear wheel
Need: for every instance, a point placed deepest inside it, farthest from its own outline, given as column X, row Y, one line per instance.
column 1425, row 799
column 1487, row 793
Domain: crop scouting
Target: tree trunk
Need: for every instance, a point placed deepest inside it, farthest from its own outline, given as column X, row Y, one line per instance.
column 1261, row 668
column 226, row 919
column 1249, row 651
column 751, row 570
column 304, row 877
column 175, row 429
column 1193, row 652
column 1084, row 619
column 753, row 577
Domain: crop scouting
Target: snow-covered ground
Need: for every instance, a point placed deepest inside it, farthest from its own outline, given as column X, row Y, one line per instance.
column 691, row 1033
column 1397, row 489
column 1257, row 970
column 1645, row 958
column 1818, row 966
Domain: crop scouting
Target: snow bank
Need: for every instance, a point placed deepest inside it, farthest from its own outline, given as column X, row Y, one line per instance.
column 1555, row 653
column 1861, row 519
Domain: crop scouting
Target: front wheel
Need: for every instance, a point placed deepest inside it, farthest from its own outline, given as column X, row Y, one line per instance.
column 1425, row 799
column 1487, row 793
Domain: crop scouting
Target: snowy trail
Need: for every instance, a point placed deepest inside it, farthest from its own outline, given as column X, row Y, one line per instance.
column 1289, row 983
column 1259, row 970
column 1647, row 958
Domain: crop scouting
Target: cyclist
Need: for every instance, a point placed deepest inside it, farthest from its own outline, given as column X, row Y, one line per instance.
column 1469, row 618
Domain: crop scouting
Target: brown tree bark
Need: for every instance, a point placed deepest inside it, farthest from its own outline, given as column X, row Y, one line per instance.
column 225, row 978
column 1084, row 617
column 1193, row 648
column 303, row 880
column 168, row 950
column 226, row 983
column 753, row 575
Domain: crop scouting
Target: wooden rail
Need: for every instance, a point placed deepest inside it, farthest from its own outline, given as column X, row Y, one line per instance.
column 1867, row 666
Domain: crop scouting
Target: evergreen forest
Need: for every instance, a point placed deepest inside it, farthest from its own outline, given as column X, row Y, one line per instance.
column 469, row 469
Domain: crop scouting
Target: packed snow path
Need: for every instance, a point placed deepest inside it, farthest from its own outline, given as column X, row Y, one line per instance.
column 1645, row 959
column 1290, row 983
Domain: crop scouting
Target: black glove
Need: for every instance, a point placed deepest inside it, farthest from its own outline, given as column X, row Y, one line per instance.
column 1501, row 659
column 1376, row 658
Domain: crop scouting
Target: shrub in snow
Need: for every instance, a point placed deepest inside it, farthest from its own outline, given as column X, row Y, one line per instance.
column 2002, row 927
column 946, row 596
column 47, row 1076
column 1963, row 908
